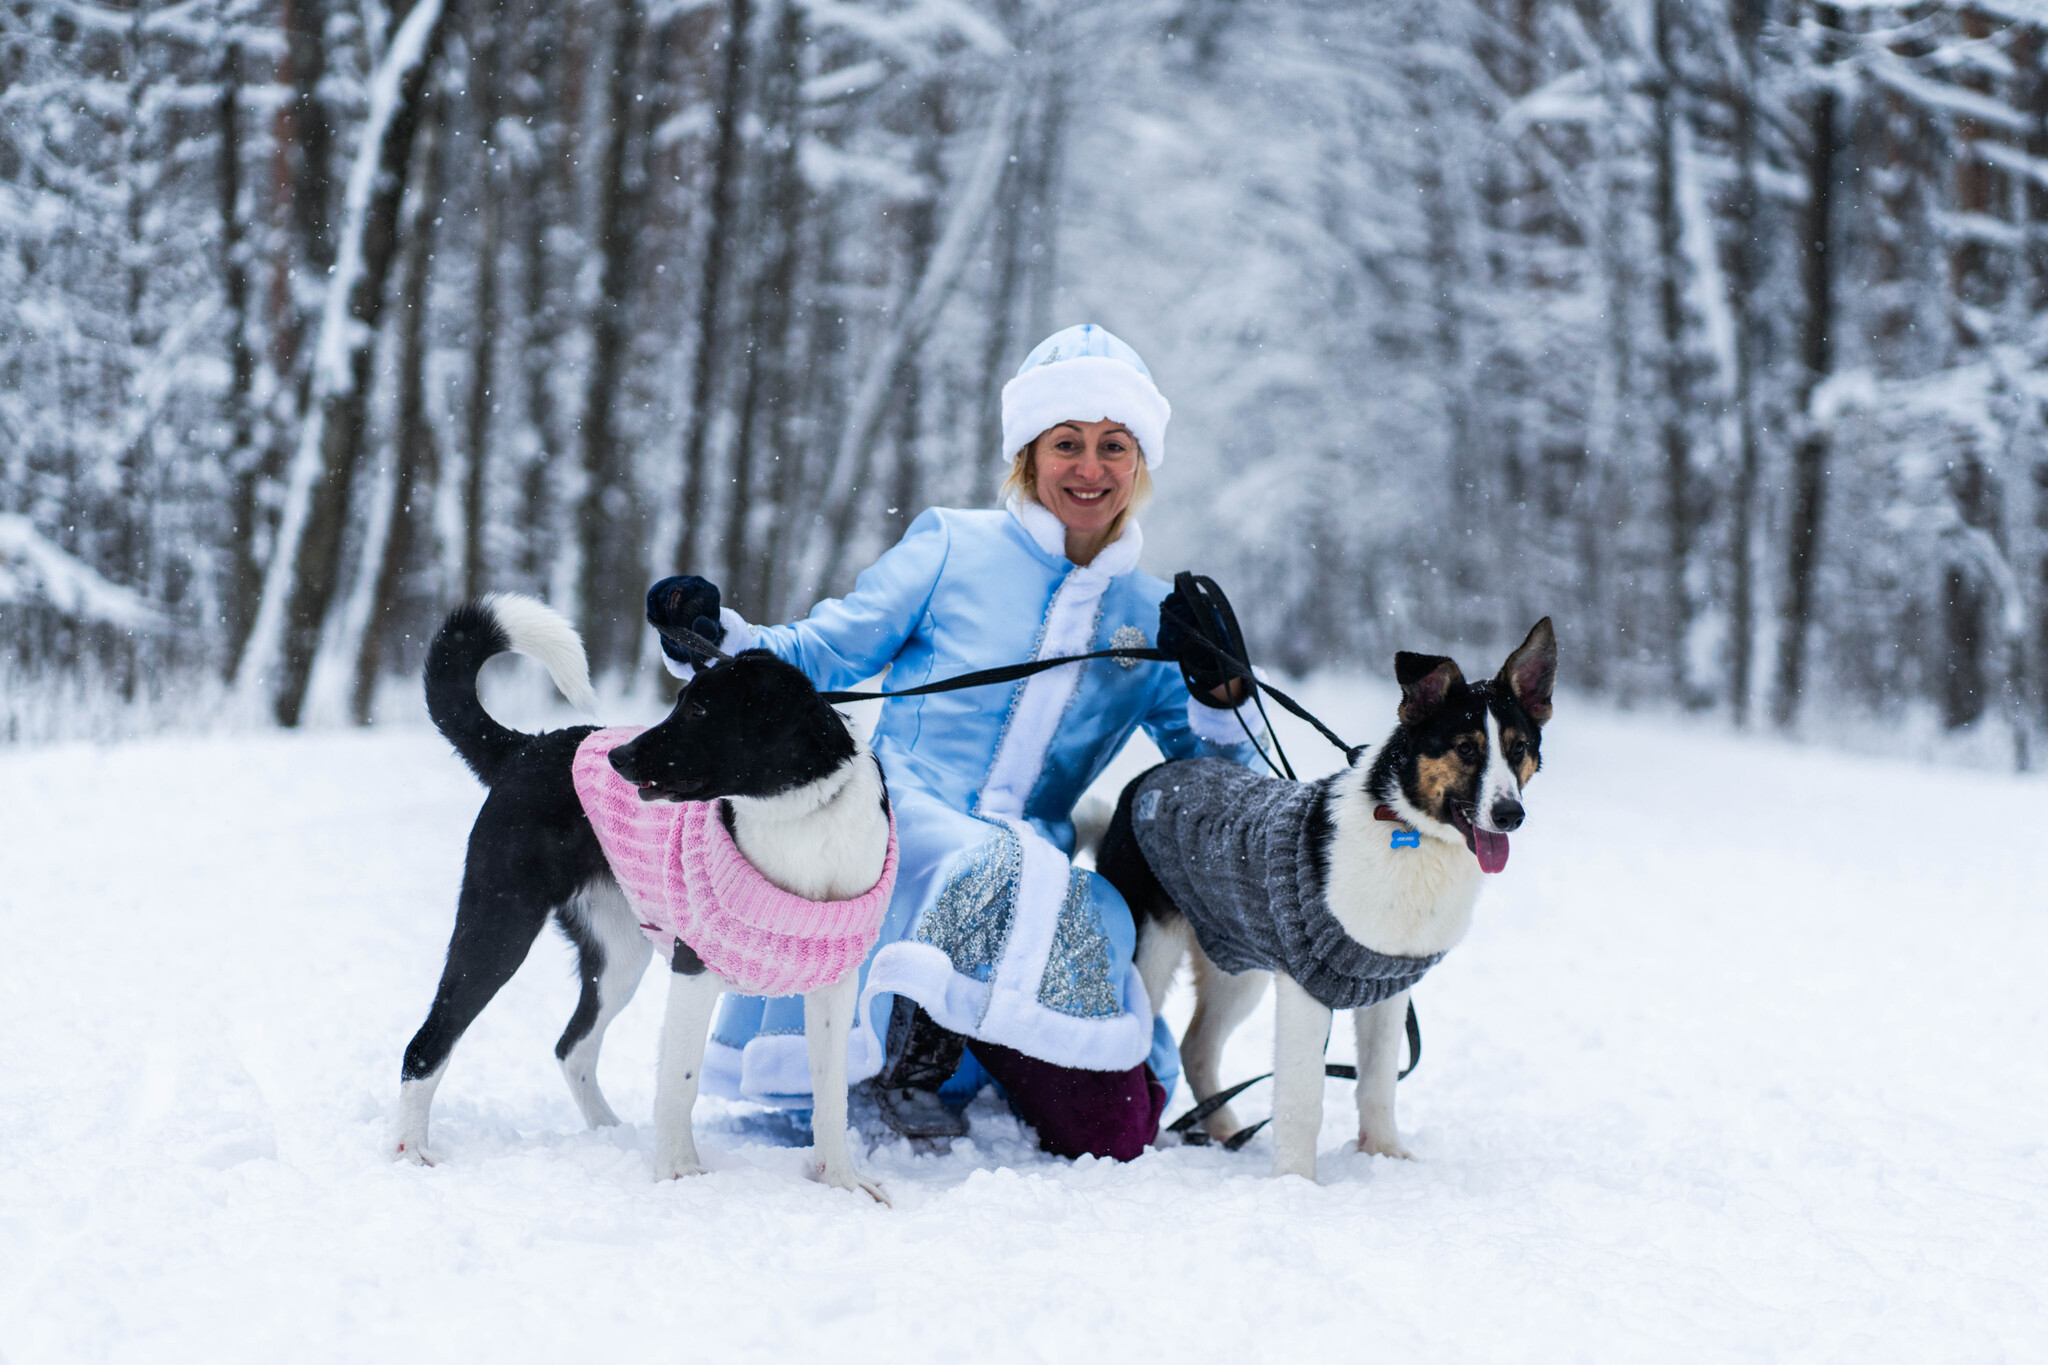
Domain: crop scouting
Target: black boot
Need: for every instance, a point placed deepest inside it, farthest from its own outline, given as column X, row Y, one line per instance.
column 922, row 1056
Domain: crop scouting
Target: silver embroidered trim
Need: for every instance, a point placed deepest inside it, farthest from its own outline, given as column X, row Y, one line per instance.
column 1076, row 980
column 970, row 919
column 1128, row 637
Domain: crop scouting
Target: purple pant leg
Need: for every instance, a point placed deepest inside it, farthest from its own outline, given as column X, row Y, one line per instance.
column 1079, row 1113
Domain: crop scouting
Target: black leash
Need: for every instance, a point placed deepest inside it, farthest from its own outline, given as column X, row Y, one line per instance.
column 1191, row 1136
column 988, row 677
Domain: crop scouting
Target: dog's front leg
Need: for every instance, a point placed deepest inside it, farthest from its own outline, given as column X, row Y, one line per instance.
column 1300, row 1037
column 691, row 999
column 1382, row 1041
column 828, row 1021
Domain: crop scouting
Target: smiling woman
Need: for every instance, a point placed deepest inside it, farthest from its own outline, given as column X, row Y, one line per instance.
column 1000, row 959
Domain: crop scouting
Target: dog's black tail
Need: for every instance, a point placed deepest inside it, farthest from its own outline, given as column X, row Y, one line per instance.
column 473, row 633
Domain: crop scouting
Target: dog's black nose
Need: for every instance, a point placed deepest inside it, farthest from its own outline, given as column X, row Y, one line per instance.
column 1507, row 815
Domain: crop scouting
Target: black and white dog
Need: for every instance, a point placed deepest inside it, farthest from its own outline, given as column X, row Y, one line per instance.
column 1346, row 889
column 802, row 798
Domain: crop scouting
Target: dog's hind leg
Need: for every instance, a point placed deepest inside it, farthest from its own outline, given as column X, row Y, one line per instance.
column 1301, row 1035
column 1161, row 946
column 612, row 957
column 1222, row 1002
column 828, row 1022
column 1382, row 1042
column 691, row 997
column 496, row 922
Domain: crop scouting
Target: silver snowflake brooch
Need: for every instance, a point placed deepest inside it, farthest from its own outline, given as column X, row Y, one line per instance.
column 1127, row 637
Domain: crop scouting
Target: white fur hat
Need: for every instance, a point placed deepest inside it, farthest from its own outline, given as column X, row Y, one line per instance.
column 1084, row 374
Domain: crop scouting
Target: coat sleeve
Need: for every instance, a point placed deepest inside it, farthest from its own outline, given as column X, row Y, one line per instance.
column 1183, row 728
column 846, row 639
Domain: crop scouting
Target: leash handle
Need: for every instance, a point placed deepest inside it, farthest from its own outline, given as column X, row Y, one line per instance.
column 1342, row 1071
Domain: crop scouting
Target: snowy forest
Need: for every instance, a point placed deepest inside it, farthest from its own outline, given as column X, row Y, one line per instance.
column 1714, row 330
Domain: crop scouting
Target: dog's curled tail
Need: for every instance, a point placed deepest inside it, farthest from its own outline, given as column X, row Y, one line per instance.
column 477, row 631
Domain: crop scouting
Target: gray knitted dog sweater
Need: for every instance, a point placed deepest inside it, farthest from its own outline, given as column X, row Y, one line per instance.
column 1235, row 852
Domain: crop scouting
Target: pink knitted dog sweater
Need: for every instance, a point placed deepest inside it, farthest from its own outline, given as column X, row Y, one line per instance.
column 688, row 880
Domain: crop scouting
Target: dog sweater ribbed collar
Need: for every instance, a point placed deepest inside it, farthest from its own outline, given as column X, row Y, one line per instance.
column 688, row 881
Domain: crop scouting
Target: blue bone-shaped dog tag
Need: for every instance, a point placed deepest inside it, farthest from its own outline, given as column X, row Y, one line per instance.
column 1407, row 838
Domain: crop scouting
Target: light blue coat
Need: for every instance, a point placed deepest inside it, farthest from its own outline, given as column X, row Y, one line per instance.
column 992, row 928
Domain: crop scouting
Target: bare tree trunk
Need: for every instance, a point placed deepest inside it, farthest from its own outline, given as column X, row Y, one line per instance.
column 988, row 462
column 608, row 524
column 484, row 342
column 300, row 584
column 1744, row 279
column 920, row 231
column 2029, row 515
column 1809, row 460
column 410, row 515
column 312, row 139
column 700, row 397
column 537, row 330
column 245, row 573
column 813, row 392
column 1975, row 280
column 765, row 401
column 305, row 143
column 1676, row 401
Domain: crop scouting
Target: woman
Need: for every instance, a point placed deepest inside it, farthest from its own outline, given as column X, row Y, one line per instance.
column 999, row 958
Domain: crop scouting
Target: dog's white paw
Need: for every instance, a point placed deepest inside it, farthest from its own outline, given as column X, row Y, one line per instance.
column 1373, row 1146
column 677, row 1169
column 405, row 1149
column 846, row 1178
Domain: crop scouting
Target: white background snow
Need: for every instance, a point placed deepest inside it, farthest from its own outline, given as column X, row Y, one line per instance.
column 1746, row 1057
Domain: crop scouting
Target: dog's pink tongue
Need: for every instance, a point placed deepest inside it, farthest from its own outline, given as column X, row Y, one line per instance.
column 1492, row 850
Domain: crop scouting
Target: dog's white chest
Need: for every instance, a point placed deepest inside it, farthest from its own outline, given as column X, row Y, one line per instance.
column 1406, row 901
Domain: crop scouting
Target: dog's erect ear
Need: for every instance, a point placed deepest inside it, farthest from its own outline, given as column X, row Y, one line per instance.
column 1531, row 671
column 1426, row 679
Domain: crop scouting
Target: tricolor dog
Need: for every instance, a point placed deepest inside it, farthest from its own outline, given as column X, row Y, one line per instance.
column 748, row 835
column 1346, row 890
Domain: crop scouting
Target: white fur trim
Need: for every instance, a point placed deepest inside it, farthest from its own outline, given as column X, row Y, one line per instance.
column 1088, row 388
column 1214, row 725
column 1049, row 533
column 1045, row 529
column 1006, row 1009
column 1069, row 629
column 540, row 632
column 774, row 1069
column 739, row 636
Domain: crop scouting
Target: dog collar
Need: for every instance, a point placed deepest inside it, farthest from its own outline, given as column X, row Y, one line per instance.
column 1404, row 837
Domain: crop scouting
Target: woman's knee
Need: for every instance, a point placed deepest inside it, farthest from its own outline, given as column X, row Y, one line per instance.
column 1112, row 1114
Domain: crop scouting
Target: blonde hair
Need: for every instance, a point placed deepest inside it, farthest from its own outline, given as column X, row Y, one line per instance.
column 1022, row 481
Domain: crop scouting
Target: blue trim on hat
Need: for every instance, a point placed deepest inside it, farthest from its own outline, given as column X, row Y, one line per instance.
column 1084, row 339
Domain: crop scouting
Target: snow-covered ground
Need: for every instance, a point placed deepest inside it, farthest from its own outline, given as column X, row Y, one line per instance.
column 1747, row 1056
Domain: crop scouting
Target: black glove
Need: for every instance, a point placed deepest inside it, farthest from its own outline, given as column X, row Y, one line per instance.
column 685, row 602
column 1195, row 623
